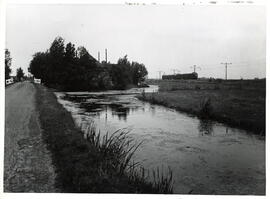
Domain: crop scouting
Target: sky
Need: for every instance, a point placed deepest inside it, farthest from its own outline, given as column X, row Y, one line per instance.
column 162, row 37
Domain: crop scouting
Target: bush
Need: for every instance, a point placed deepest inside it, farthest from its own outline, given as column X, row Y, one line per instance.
column 205, row 108
column 217, row 87
column 197, row 87
column 115, row 153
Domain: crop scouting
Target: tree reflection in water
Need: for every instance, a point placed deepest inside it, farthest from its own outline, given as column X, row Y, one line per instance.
column 205, row 127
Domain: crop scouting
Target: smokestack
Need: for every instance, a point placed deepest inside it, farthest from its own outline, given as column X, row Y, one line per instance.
column 106, row 55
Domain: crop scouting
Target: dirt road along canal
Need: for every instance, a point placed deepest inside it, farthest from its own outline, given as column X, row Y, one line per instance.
column 27, row 162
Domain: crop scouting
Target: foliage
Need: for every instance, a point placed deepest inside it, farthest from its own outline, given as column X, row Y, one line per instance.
column 205, row 108
column 65, row 67
column 20, row 74
column 125, row 73
column 139, row 72
column 116, row 152
column 243, row 108
column 7, row 64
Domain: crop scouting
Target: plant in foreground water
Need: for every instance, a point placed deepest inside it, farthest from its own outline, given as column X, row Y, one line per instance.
column 116, row 153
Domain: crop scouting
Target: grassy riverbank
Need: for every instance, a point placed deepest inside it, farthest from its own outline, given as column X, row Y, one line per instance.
column 240, row 107
column 92, row 165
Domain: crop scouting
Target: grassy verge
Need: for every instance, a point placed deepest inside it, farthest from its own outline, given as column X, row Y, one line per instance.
column 238, row 108
column 96, row 164
column 208, row 84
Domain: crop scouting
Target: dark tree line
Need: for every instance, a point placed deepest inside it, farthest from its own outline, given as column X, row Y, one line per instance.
column 20, row 74
column 65, row 67
column 7, row 64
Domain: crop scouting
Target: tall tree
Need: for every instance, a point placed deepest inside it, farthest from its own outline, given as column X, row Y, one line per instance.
column 20, row 74
column 57, row 49
column 39, row 65
column 139, row 72
column 85, row 58
column 122, row 73
column 56, row 63
column 7, row 64
column 70, row 52
column 123, row 61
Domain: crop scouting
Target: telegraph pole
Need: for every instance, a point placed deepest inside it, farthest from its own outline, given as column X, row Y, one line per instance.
column 175, row 70
column 98, row 56
column 226, row 67
column 195, row 67
column 159, row 72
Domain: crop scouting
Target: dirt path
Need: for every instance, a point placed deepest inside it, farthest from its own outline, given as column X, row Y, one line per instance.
column 27, row 162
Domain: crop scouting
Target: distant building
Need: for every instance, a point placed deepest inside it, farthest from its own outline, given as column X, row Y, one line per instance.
column 14, row 78
column 181, row 76
column 9, row 81
column 37, row 81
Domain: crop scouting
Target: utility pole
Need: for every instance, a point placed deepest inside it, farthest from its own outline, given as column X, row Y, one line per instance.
column 106, row 55
column 159, row 72
column 98, row 56
column 226, row 66
column 175, row 70
column 195, row 67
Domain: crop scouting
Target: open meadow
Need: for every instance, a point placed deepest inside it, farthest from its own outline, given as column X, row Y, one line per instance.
column 239, row 103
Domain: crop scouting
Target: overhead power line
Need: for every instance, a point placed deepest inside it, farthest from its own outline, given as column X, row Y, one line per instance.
column 195, row 67
column 175, row 70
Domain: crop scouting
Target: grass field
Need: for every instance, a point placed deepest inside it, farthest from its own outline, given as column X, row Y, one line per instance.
column 237, row 103
column 209, row 84
column 96, row 164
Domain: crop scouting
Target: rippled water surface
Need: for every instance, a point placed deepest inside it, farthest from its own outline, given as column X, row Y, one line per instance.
column 205, row 157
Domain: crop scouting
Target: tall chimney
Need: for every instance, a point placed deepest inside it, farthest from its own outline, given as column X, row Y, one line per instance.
column 106, row 55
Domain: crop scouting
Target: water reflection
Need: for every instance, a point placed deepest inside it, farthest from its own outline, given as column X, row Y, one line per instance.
column 205, row 127
column 121, row 109
column 152, row 110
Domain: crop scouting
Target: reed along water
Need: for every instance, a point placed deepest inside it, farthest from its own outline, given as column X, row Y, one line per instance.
column 206, row 157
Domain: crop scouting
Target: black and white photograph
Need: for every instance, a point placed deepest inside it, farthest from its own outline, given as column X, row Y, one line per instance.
column 134, row 98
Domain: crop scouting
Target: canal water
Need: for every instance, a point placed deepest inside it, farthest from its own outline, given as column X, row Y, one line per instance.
column 206, row 157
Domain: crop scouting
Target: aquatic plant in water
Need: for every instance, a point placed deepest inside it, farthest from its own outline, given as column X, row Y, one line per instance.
column 116, row 153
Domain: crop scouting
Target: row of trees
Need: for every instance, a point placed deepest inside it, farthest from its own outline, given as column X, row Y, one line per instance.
column 65, row 67
column 7, row 64
column 8, row 59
